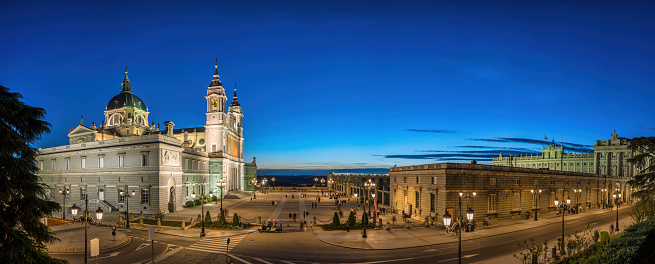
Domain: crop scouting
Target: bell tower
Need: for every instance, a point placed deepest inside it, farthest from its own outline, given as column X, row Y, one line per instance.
column 215, row 114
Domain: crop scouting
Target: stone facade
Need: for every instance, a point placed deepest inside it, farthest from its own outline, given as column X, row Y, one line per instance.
column 163, row 167
column 609, row 158
column 428, row 191
column 353, row 183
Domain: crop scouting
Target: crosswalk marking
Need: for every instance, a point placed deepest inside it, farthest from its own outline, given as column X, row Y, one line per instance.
column 216, row 244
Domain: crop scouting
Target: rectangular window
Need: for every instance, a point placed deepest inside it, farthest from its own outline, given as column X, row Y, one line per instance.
column 433, row 202
column 121, row 198
column 404, row 179
column 83, row 163
column 492, row 181
column 417, row 179
column 101, row 162
column 493, row 199
column 418, row 199
column 53, row 165
column 517, row 202
column 52, row 193
column 121, row 161
column 144, row 159
column 187, row 191
column 82, row 193
column 213, row 147
column 144, row 196
column 68, row 192
column 67, row 164
column 434, row 180
column 517, row 181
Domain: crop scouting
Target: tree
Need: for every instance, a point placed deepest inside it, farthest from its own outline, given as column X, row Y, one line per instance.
column 23, row 237
column 208, row 219
column 352, row 219
column 644, row 180
column 221, row 219
column 235, row 219
column 335, row 219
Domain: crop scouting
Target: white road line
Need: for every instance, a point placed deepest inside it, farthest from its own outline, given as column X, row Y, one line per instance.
column 261, row 260
column 239, row 259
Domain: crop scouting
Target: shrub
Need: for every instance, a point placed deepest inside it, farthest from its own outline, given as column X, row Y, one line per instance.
column 235, row 219
column 196, row 201
column 335, row 219
column 160, row 215
column 221, row 219
column 214, row 198
column 208, row 219
column 352, row 219
column 190, row 204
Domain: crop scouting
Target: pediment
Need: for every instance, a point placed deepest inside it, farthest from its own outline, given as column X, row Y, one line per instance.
column 80, row 130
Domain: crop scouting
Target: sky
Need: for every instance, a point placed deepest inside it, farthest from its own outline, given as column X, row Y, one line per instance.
column 348, row 84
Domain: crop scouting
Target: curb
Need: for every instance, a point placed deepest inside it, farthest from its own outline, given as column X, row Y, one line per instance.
column 109, row 247
column 440, row 243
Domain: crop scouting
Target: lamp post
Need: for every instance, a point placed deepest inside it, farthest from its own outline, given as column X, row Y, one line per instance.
column 356, row 200
column 315, row 183
column 578, row 193
column 64, row 193
column 603, row 191
column 322, row 181
column 221, row 184
column 202, row 209
column 273, row 180
column 468, row 216
column 568, row 201
column 536, row 203
column 330, row 182
column 368, row 185
column 616, row 201
column 127, row 202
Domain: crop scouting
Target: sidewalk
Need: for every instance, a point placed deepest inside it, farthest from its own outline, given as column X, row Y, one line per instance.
column 422, row 236
column 72, row 240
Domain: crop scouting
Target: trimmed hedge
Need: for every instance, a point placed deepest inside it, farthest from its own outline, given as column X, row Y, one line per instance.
column 635, row 245
column 343, row 226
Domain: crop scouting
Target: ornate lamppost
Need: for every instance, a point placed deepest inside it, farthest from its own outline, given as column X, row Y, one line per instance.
column 64, row 193
column 368, row 185
column 557, row 203
column 469, row 216
column 99, row 214
column 273, row 180
column 617, row 197
column 221, row 184
column 202, row 208
column 127, row 202
column 534, row 198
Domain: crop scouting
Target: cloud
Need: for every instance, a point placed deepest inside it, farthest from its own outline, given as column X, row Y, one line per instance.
column 649, row 128
column 568, row 146
column 431, row 130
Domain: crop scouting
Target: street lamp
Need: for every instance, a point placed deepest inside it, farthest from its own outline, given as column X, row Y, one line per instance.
column 127, row 202
column 604, row 191
column 221, row 184
column 330, row 182
column 368, row 185
column 446, row 219
column 356, row 200
column 64, row 193
column 315, row 183
column 462, row 195
column 322, row 181
column 557, row 203
column 536, row 206
column 616, row 201
column 273, row 180
column 202, row 208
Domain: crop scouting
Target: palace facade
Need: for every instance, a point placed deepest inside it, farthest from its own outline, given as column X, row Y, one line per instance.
column 128, row 153
column 609, row 158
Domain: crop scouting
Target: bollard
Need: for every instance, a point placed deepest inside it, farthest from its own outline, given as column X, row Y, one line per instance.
column 120, row 219
column 140, row 220
column 554, row 254
column 259, row 220
column 158, row 222
column 131, row 217
column 183, row 224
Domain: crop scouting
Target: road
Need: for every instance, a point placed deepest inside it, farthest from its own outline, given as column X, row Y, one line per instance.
column 303, row 247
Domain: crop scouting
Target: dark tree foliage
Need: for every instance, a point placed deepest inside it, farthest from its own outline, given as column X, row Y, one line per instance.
column 644, row 180
column 23, row 236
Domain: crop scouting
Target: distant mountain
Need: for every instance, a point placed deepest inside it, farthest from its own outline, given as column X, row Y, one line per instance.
column 304, row 172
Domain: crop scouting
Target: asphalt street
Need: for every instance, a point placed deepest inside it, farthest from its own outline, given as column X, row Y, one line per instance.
column 293, row 246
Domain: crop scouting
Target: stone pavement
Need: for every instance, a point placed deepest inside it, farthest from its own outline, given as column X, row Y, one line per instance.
column 279, row 204
column 72, row 240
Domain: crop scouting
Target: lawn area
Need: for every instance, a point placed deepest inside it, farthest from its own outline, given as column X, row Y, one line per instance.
column 163, row 223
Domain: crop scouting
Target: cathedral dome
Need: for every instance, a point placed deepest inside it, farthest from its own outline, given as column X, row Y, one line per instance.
column 126, row 99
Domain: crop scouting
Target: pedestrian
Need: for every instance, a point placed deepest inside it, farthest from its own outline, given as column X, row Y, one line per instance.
column 294, row 217
column 307, row 213
column 303, row 214
column 272, row 202
column 289, row 216
column 319, row 199
column 285, row 196
column 301, row 225
column 347, row 226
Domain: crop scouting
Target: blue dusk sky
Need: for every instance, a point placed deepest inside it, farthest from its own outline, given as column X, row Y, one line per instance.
column 348, row 84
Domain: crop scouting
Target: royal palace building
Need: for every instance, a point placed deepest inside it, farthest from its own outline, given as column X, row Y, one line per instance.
column 128, row 153
column 608, row 158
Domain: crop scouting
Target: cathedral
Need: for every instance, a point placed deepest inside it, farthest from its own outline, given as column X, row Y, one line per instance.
column 127, row 159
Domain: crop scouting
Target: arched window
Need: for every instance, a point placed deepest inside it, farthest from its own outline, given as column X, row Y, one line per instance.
column 115, row 119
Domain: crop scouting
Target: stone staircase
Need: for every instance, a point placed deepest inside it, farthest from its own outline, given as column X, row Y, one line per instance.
column 108, row 206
